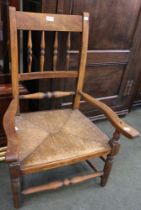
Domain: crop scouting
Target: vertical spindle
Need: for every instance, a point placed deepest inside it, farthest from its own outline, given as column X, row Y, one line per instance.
column 29, row 46
column 55, row 52
column 68, row 50
column 42, row 52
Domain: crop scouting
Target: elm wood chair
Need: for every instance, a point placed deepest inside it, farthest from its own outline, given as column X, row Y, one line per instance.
column 50, row 139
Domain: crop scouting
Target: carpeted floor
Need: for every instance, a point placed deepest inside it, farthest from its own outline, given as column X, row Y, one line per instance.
column 123, row 190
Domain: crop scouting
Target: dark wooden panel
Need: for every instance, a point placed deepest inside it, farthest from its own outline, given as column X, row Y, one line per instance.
column 96, row 76
column 14, row 3
column 49, row 6
column 100, row 57
column 112, row 23
column 113, row 55
column 108, row 56
column 112, row 38
column 1, row 36
column 137, row 99
column 95, row 82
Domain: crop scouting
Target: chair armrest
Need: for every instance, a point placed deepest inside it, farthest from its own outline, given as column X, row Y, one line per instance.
column 12, row 153
column 119, row 124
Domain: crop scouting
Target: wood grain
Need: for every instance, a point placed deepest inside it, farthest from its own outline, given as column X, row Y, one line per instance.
column 29, row 46
column 41, row 95
column 34, row 21
column 55, row 52
column 115, row 146
column 58, row 184
column 120, row 125
column 83, row 59
column 2, row 149
column 61, row 163
column 14, row 48
column 12, row 137
column 48, row 74
column 42, row 52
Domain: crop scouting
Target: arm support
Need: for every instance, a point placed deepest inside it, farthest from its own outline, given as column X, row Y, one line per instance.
column 9, row 127
column 120, row 125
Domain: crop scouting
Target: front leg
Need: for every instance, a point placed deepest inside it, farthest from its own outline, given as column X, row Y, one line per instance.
column 15, row 183
column 115, row 145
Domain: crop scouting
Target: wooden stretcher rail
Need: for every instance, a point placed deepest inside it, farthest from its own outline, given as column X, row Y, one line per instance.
column 103, row 159
column 91, row 165
column 48, row 75
column 2, row 159
column 2, row 149
column 2, row 153
column 41, row 95
column 58, row 184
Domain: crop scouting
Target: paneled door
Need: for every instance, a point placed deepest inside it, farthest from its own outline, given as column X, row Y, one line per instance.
column 114, row 52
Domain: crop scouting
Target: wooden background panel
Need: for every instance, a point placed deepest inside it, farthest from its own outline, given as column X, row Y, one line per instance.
column 103, row 80
column 137, row 97
column 100, row 57
column 108, row 56
column 49, row 6
column 1, row 34
column 59, row 6
column 111, row 22
column 112, row 47
column 95, row 83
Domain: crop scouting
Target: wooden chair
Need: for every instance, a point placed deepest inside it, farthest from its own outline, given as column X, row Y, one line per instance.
column 50, row 139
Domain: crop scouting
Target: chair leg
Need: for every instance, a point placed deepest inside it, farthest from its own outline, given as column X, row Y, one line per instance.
column 107, row 170
column 16, row 191
column 15, row 183
column 115, row 145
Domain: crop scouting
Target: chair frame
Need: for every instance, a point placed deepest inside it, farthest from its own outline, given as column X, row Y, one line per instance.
column 30, row 21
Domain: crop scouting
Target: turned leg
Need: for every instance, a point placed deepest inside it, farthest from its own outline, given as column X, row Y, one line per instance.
column 107, row 170
column 115, row 145
column 16, row 191
column 15, row 183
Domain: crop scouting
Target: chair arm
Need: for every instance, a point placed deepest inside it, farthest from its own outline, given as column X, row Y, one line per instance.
column 119, row 124
column 12, row 153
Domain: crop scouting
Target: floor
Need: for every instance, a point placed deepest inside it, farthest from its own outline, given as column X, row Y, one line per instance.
column 123, row 190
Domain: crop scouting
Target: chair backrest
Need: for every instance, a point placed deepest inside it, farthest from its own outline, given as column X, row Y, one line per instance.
column 47, row 22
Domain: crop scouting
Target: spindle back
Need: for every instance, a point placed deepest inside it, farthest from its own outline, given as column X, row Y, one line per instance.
column 47, row 22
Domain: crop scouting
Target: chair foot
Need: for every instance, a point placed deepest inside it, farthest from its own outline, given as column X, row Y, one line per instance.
column 16, row 191
column 107, row 170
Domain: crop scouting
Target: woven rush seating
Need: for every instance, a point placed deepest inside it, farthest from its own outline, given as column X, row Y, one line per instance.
column 50, row 136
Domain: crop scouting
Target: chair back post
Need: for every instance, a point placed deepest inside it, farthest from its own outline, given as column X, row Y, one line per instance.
column 14, row 53
column 47, row 22
column 83, row 60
